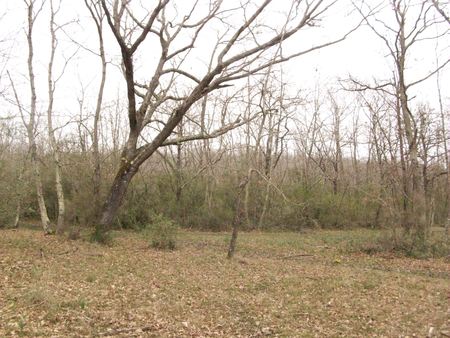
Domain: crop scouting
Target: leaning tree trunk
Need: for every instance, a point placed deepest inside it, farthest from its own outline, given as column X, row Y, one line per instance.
column 115, row 197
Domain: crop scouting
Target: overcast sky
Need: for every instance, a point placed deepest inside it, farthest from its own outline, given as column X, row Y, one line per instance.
column 362, row 55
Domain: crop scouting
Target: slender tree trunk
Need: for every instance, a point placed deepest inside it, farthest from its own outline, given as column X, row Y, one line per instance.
column 406, row 194
column 337, row 161
column 31, row 125
column 267, row 170
column 17, row 218
column 51, row 133
column 414, row 217
column 97, row 17
column 179, row 168
column 19, row 196
column 446, row 152
column 248, row 155
column 45, row 221
column 237, row 217
column 60, row 226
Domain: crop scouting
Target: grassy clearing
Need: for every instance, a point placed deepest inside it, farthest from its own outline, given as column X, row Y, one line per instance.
column 280, row 284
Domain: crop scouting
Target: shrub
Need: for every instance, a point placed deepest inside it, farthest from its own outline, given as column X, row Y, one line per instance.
column 11, row 191
column 7, row 215
column 101, row 236
column 133, row 216
column 409, row 245
column 163, row 233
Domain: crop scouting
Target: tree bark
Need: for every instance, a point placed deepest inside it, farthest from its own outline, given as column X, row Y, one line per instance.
column 237, row 217
column 97, row 16
column 115, row 198
column 51, row 133
column 31, row 125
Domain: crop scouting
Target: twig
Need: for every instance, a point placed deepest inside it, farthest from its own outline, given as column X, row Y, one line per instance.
column 68, row 251
column 295, row 256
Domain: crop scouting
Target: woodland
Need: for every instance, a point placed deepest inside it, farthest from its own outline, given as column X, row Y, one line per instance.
column 144, row 143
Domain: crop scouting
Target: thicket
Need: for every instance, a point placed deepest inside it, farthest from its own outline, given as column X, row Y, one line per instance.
column 207, row 202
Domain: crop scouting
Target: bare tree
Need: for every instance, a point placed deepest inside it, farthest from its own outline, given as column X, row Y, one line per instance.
column 411, row 25
column 336, row 160
column 51, row 129
column 30, row 124
column 97, row 16
column 440, row 8
column 230, row 65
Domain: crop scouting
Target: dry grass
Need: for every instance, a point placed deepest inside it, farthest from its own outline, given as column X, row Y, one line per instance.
column 55, row 288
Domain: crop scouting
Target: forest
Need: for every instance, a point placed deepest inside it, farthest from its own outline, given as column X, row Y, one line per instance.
column 291, row 155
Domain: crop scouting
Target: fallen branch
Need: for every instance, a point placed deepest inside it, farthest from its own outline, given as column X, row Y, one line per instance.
column 68, row 251
column 296, row 256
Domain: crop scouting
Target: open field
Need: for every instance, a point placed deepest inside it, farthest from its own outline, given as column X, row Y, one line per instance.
column 279, row 284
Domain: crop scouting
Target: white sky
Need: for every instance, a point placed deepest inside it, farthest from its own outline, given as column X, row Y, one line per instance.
column 362, row 55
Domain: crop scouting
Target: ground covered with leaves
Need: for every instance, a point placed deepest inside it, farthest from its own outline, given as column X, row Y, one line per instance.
column 279, row 285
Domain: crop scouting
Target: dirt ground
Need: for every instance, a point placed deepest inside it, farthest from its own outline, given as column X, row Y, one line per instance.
column 278, row 285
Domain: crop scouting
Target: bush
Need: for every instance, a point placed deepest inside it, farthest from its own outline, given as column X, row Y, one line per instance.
column 11, row 191
column 7, row 216
column 133, row 216
column 409, row 245
column 163, row 233
column 101, row 236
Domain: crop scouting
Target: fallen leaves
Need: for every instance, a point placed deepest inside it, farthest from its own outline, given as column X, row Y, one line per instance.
column 80, row 289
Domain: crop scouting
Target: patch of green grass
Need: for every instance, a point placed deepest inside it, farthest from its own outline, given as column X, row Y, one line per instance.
column 36, row 273
column 370, row 284
column 73, row 304
column 38, row 296
column 101, row 236
column 91, row 278
column 21, row 324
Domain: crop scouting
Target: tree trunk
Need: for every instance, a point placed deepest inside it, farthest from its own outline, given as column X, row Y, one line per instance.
column 237, row 217
column 51, row 133
column 31, row 125
column 45, row 221
column 115, row 197
column 17, row 218
column 267, row 170
column 60, row 226
column 179, row 169
column 446, row 152
column 96, row 178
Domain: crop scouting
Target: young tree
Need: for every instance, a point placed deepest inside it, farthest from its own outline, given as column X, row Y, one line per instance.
column 31, row 123
column 97, row 16
column 50, row 126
